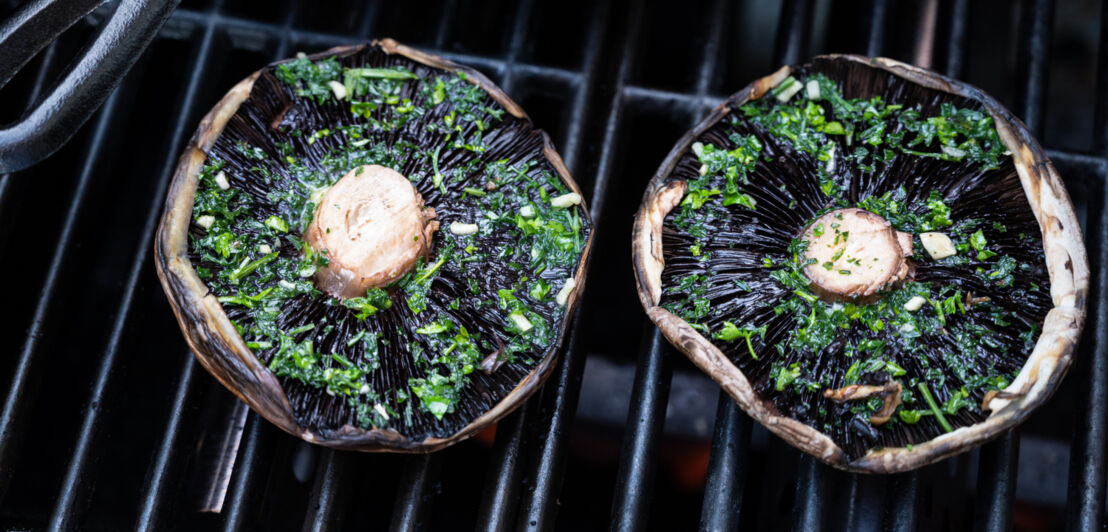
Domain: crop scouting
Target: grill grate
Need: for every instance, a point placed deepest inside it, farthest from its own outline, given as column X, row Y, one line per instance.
column 108, row 423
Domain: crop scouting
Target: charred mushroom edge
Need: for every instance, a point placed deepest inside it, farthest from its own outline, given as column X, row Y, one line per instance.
column 1045, row 367
column 221, row 350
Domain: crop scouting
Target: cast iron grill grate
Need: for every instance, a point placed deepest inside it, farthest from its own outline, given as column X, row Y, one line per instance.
column 107, row 422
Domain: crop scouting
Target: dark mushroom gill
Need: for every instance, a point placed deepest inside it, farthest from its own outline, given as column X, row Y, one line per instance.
column 729, row 269
column 467, row 158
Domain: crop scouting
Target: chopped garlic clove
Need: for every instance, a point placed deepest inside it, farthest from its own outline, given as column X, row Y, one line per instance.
column 264, row 249
column 566, row 200
column 788, row 92
column 527, row 211
column 521, row 322
column 463, row 229
column 914, row 304
column 938, row 245
column 567, row 289
column 205, row 221
column 221, row 180
column 813, row 90
column 338, row 89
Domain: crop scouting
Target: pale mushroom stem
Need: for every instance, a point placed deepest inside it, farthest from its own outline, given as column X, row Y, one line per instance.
column 373, row 228
column 857, row 254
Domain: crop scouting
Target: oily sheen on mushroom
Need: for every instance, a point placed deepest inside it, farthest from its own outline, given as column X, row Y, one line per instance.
column 878, row 263
column 374, row 248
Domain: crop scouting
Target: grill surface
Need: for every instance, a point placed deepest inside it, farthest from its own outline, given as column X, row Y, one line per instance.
column 107, row 423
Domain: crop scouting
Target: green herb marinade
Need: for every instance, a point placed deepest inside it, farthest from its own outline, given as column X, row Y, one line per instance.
column 734, row 259
column 246, row 244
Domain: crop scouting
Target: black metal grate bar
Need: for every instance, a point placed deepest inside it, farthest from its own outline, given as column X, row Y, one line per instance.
column 1087, row 480
column 519, row 36
column 245, row 498
column 11, row 423
column 328, row 496
column 579, row 113
column 558, row 399
column 996, row 485
column 810, row 495
column 955, row 55
column 649, row 396
column 1085, row 500
column 708, row 62
column 502, row 482
column 904, row 506
column 72, row 488
column 244, row 492
column 998, row 459
column 167, row 461
column 413, row 499
column 723, row 490
column 792, row 46
column 877, row 27
column 1036, row 21
column 645, row 419
column 446, row 15
column 538, row 508
column 794, row 33
column 36, row 90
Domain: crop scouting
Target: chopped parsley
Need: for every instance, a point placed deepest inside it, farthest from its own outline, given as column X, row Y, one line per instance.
column 946, row 352
column 247, row 247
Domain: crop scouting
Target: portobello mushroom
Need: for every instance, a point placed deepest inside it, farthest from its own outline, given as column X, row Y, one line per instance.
column 877, row 262
column 374, row 248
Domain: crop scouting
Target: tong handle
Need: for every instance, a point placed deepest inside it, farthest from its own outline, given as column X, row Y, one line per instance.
column 92, row 76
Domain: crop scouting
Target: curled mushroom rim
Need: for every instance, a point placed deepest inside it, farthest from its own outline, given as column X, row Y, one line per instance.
column 1037, row 380
column 222, row 351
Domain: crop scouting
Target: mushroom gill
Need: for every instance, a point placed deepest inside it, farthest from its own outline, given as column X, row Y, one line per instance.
column 794, row 251
column 309, row 207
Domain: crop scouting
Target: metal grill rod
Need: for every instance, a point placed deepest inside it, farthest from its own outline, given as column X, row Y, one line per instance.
column 998, row 460
column 1085, row 497
column 723, row 490
column 24, row 380
column 63, row 514
column 876, row 39
column 498, row 504
column 244, row 492
column 158, row 479
column 653, row 374
column 558, row 400
column 328, row 494
column 646, row 417
column 1087, row 481
column 413, row 500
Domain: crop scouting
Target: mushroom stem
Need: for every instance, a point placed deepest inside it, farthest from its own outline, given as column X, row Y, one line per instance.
column 856, row 254
column 373, row 228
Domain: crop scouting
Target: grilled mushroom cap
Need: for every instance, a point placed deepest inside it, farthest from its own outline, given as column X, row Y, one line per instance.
column 742, row 259
column 374, row 248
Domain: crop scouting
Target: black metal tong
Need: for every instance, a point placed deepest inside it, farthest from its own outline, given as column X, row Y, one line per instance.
column 91, row 77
